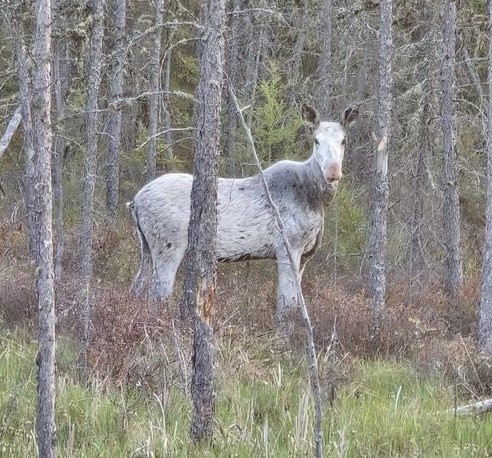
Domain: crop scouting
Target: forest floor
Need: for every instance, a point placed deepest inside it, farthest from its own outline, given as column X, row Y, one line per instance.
column 390, row 401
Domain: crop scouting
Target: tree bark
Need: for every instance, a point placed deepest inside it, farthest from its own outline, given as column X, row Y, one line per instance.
column 60, row 87
column 325, row 72
column 416, row 251
column 379, row 204
column 41, row 118
column 233, row 78
column 154, row 89
column 485, row 320
column 28, row 180
column 453, row 278
column 115, row 114
column 91, row 123
column 200, row 280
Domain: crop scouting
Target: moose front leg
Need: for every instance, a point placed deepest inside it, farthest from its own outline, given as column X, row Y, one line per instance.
column 287, row 293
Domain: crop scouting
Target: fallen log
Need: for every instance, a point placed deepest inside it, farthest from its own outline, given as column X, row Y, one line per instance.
column 476, row 408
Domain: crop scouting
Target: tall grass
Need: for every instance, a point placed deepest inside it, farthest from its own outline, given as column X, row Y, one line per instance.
column 384, row 408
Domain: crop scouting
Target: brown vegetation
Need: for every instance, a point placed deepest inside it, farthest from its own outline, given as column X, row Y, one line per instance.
column 137, row 341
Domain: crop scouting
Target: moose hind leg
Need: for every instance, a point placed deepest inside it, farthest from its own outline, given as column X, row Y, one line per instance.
column 166, row 264
column 145, row 270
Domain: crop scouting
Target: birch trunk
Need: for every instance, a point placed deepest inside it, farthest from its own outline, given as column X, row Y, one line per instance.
column 453, row 277
column 485, row 321
column 114, row 117
column 91, row 124
column 379, row 204
column 41, row 118
column 200, row 280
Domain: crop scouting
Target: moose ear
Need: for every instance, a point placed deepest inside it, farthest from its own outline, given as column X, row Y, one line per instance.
column 310, row 116
column 350, row 116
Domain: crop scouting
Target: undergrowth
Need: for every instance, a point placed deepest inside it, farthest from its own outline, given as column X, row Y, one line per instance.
column 264, row 407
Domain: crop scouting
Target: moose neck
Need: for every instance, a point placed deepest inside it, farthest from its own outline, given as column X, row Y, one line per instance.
column 320, row 188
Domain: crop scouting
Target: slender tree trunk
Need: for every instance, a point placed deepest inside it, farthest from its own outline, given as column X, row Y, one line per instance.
column 233, row 78
column 256, row 54
column 60, row 74
column 325, row 71
column 451, row 213
column 28, row 180
column 114, row 117
column 200, row 280
column 41, row 106
column 166, row 107
column 377, row 248
column 154, row 89
column 416, row 252
column 294, row 68
column 485, row 322
column 91, row 123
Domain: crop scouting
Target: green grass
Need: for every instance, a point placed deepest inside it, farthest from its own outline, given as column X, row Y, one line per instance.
column 264, row 408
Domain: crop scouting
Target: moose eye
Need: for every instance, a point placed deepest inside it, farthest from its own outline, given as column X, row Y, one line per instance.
column 344, row 142
column 316, row 142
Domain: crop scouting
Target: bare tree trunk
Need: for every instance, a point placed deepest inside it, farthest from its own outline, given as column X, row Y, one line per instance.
column 200, row 280
column 166, row 108
column 233, row 78
column 485, row 322
column 416, row 252
column 379, row 204
column 154, row 89
column 294, row 68
column 41, row 117
column 114, row 117
column 91, row 123
column 325, row 71
column 61, row 76
column 28, row 180
column 451, row 213
column 258, row 38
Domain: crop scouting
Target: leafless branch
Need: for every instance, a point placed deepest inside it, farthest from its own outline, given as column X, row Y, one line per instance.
column 11, row 128
column 310, row 348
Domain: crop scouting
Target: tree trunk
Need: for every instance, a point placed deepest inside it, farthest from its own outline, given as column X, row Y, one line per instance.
column 377, row 247
column 61, row 76
column 154, row 89
column 233, row 79
column 200, row 280
column 28, row 180
column 325, row 72
column 91, row 124
column 41, row 105
column 451, row 213
column 485, row 321
column 114, row 117
column 416, row 251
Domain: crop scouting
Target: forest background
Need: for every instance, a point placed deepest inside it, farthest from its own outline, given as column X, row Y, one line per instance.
column 278, row 55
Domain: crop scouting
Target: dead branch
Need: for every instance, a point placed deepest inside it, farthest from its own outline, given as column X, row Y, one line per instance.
column 310, row 349
column 11, row 129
